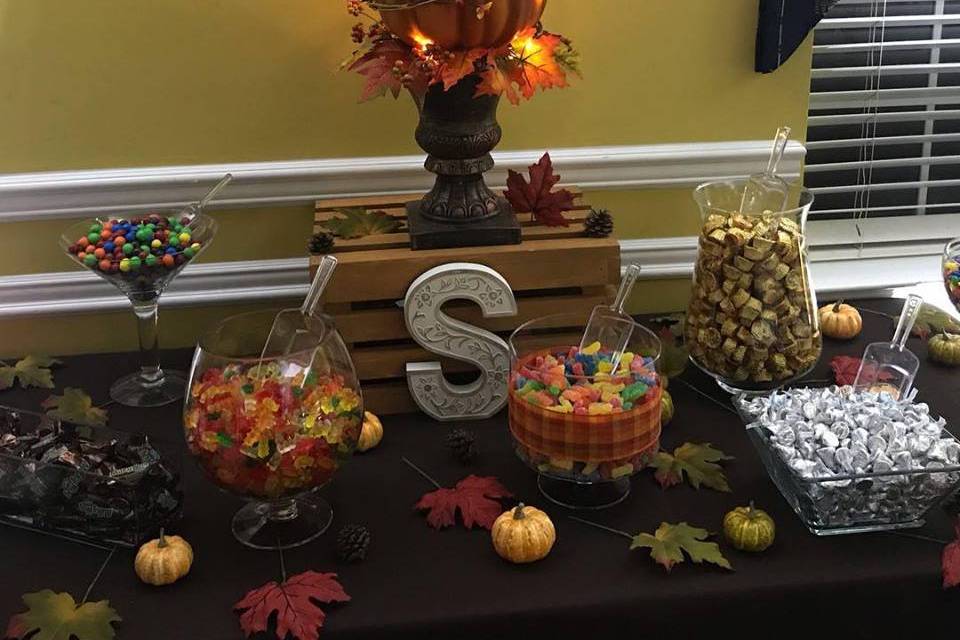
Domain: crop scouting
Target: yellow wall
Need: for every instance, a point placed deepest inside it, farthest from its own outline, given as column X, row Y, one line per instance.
column 120, row 83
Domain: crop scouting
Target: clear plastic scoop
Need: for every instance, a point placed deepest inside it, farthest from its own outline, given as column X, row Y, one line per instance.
column 889, row 366
column 292, row 324
column 199, row 205
column 610, row 326
column 767, row 191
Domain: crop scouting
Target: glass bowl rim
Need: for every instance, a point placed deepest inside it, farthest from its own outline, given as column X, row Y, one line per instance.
column 955, row 253
column 196, row 216
column 761, row 439
column 328, row 325
column 806, row 198
column 581, row 321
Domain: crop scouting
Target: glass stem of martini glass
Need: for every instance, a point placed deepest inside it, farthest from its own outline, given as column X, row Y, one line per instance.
column 146, row 312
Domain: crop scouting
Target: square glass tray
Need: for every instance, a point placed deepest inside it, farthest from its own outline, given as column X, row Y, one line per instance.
column 856, row 503
column 132, row 490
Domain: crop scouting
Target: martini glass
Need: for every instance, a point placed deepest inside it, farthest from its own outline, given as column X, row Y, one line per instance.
column 142, row 272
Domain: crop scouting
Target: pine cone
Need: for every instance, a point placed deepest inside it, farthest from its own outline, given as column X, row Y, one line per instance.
column 599, row 224
column 320, row 243
column 463, row 445
column 352, row 543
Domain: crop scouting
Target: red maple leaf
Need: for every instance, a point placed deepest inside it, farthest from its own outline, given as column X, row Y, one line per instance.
column 473, row 496
column 845, row 370
column 537, row 196
column 377, row 66
column 294, row 603
column 458, row 65
column 950, row 561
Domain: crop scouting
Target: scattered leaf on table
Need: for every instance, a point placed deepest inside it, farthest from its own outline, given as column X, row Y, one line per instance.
column 845, row 370
column 669, row 541
column 32, row 371
column 950, row 561
column 75, row 406
column 932, row 320
column 475, row 497
column 293, row 601
column 357, row 222
column 537, row 196
column 697, row 461
column 56, row 616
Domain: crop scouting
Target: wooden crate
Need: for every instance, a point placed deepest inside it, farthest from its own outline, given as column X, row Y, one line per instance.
column 553, row 269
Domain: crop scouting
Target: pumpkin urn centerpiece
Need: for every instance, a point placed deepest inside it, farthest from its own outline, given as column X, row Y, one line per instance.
column 457, row 58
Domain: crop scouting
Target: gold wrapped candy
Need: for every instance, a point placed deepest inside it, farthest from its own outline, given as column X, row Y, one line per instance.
column 752, row 317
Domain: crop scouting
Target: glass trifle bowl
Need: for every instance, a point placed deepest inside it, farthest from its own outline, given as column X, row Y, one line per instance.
column 583, row 427
column 273, row 430
column 752, row 320
column 140, row 255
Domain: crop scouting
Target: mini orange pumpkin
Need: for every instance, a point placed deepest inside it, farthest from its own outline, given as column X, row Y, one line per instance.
column 523, row 534
column 840, row 320
column 164, row 560
column 456, row 25
column 371, row 433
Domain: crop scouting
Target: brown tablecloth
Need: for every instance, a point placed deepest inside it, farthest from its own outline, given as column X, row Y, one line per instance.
column 418, row 582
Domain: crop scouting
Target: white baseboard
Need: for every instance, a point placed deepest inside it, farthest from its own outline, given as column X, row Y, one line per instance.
column 65, row 194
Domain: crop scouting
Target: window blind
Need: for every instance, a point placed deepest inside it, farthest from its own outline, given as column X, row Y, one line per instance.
column 884, row 119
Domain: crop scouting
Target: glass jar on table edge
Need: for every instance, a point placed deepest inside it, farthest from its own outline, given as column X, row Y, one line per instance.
column 142, row 276
column 584, row 461
column 275, row 430
column 752, row 321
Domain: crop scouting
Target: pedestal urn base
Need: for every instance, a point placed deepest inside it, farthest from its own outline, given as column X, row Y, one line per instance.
column 458, row 129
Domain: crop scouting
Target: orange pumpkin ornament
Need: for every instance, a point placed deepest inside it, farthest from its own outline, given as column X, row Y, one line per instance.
column 453, row 25
column 840, row 320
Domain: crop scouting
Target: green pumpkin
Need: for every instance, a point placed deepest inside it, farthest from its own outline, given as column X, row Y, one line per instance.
column 945, row 349
column 666, row 408
column 749, row 529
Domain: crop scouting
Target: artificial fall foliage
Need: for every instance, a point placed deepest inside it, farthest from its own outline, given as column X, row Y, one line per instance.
column 535, row 59
column 475, row 497
column 932, row 320
column 75, row 406
column 697, row 461
column 57, row 616
column 357, row 222
column 669, row 542
column 950, row 560
column 845, row 370
column 32, row 371
column 294, row 602
column 537, row 196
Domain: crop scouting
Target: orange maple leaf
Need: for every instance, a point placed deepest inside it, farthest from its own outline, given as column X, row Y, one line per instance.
column 495, row 82
column 458, row 66
column 536, row 62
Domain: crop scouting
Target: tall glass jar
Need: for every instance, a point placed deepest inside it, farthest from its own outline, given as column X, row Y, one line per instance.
column 752, row 320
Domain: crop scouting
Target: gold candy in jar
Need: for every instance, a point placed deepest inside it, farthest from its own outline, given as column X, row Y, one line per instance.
column 752, row 319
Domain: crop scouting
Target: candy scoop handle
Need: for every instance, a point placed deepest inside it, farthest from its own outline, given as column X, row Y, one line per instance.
column 779, row 148
column 320, row 280
column 911, row 309
column 626, row 285
column 217, row 188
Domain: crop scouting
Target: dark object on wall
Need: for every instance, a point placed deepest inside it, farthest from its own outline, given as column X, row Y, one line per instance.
column 782, row 26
